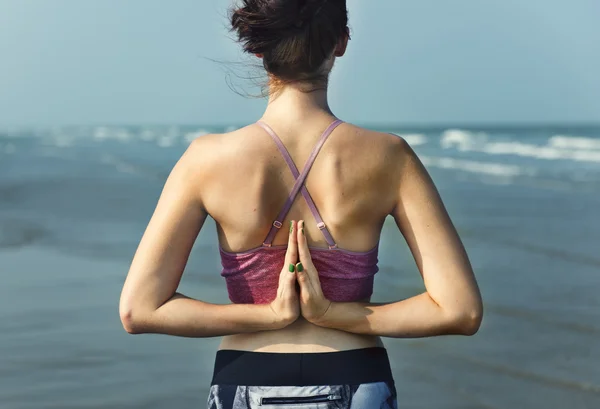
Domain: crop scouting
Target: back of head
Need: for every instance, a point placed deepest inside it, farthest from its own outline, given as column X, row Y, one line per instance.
column 296, row 38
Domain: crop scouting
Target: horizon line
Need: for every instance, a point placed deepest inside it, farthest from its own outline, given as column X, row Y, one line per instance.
column 377, row 125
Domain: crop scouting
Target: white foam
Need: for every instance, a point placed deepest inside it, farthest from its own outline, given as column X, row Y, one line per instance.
column 466, row 141
column 462, row 140
column 103, row 132
column 573, row 142
column 414, row 139
column 485, row 168
column 540, row 152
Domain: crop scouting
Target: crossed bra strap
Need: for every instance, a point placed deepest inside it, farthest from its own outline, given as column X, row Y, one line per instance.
column 299, row 184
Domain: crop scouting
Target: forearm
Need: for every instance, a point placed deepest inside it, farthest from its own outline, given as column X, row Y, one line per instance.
column 415, row 317
column 186, row 317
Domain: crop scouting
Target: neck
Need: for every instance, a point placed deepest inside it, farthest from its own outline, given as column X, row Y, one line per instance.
column 294, row 104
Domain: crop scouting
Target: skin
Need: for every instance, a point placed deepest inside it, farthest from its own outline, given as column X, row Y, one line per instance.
column 241, row 181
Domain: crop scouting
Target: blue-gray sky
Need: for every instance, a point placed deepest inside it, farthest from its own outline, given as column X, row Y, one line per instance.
column 409, row 61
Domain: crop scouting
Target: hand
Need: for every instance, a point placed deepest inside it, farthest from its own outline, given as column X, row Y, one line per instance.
column 313, row 303
column 286, row 306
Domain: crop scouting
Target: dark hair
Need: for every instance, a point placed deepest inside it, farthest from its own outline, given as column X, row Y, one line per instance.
column 295, row 37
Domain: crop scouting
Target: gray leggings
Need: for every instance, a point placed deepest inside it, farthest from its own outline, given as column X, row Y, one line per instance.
column 355, row 379
column 377, row 395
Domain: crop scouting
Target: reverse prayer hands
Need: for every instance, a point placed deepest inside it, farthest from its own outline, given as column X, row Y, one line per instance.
column 298, row 267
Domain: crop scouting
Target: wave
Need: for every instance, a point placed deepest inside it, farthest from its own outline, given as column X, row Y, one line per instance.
column 162, row 137
column 484, row 168
column 574, row 142
column 557, row 148
column 462, row 140
column 103, row 132
column 540, row 152
column 414, row 139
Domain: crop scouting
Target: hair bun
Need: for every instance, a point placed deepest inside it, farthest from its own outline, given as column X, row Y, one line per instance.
column 307, row 10
column 260, row 23
column 294, row 36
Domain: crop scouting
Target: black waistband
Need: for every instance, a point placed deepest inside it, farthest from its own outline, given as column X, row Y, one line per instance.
column 356, row 366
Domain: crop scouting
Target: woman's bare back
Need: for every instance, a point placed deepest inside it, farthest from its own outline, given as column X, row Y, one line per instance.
column 352, row 182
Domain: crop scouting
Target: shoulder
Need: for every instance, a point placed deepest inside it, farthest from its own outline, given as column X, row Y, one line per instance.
column 215, row 160
column 387, row 147
column 383, row 139
column 219, row 149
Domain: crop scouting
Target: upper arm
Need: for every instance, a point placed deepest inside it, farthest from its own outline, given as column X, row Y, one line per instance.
column 164, row 249
column 431, row 236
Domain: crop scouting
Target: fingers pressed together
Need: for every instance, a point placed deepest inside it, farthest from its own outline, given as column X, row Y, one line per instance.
column 298, row 254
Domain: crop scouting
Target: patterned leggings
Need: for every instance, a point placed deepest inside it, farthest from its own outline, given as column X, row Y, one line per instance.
column 355, row 379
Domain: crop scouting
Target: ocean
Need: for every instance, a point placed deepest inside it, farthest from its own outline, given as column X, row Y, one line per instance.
column 74, row 202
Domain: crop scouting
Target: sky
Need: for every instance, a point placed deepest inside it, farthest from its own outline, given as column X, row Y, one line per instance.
column 66, row 62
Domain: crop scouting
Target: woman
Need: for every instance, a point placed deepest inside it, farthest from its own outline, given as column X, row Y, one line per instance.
column 301, row 328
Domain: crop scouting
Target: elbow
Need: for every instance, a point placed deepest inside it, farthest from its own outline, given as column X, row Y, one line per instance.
column 131, row 319
column 471, row 323
column 467, row 322
column 130, row 325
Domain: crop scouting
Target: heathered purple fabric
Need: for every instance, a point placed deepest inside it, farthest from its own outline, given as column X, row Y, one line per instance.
column 252, row 277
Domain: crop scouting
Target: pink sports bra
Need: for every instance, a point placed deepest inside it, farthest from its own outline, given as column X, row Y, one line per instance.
column 252, row 276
